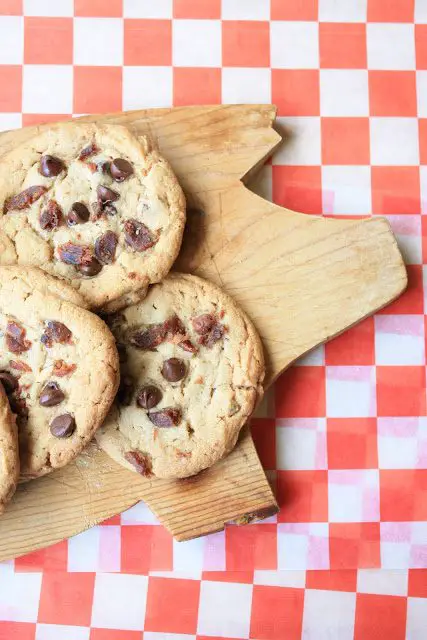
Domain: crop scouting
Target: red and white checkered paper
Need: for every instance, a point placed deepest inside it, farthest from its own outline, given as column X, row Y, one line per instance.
column 344, row 433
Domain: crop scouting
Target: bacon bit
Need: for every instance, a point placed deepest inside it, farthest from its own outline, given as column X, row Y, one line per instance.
column 171, row 330
column 62, row 369
column 199, row 380
column 88, row 151
column 56, row 332
column 168, row 417
column 215, row 333
column 139, row 461
column 187, row 345
column 75, row 254
column 183, row 454
column 132, row 275
column 221, row 314
column 92, row 166
column 19, row 365
column 203, row 324
column 24, row 199
column 15, row 338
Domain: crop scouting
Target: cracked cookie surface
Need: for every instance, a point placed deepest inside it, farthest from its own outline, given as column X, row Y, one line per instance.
column 9, row 457
column 61, row 364
column 192, row 369
column 93, row 205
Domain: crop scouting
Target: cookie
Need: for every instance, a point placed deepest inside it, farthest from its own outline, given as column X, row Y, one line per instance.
column 61, row 364
column 93, row 205
column 35, row 278
column 9, row 457
column 192, row 372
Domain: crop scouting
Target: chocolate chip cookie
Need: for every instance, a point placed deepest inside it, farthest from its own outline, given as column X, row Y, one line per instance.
column 192, row 371
column 59, row 365
column 9, row 457
column 93, row 205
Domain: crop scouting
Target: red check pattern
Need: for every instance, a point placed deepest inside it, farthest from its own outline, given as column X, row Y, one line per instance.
column 343, row 435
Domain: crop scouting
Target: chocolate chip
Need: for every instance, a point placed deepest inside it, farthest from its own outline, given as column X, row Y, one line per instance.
column 24, row 199
column 202, row 324
column 105, row 247
column 63, row 426
column 9, row 382
column 51, row 217
column 56, row 332
column 51, row 395
column 79, row 213
column 106, row 195
column 148, row 397
column 138, row 235
column 50, row 166
column 125, row 392
column 91, row 268
column 165, row 417
column 140, row 461
column 173, row 369
column 120, row 169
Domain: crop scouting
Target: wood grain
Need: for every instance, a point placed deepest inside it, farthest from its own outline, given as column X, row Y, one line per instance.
column 302, row 279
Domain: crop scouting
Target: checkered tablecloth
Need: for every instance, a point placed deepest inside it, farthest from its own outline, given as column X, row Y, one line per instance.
column 344, row 433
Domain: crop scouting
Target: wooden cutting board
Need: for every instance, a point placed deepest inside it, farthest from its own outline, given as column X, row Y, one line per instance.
column 302, row 279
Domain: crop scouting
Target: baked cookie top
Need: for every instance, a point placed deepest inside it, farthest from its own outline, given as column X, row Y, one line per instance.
column 93, row 205
column 9, row 457
column 59, row 366
column 192, row 371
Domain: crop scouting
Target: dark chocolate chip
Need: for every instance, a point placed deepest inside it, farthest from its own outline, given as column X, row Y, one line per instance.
column 63, row 426
column 50, row 166
column 106, row 195
column 51, row 395
column 120, row 169
column 148, row 397
column 138, row 235
column 105, row 247
column 169, row 417
column 79, row 213
column 91, row 268
column 173, row 369
column 51, row 217
column 9, row 382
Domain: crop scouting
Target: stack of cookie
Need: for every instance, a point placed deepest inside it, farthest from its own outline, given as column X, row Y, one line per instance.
column 92, row 222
